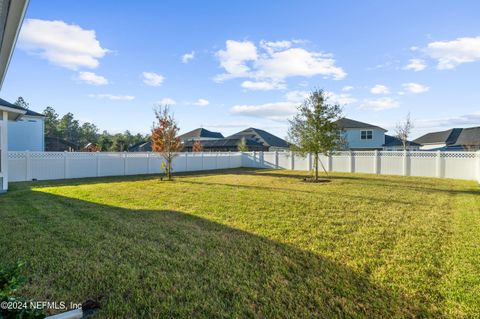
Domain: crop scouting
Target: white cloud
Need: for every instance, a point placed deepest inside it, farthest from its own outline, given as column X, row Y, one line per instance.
column 449, row 122
column 263, row 85
column 298, row 62
column 450, row 54
column 272, row 111
column 380, row 89
column 275, row 62
column 92, row 78
column 379, row 104
column 167, row 101
column 347, row 88
column 112, row 97
column 415, row 88
column 283, row 110
column 152, row 78
column 341, row 99
column 187, row 57
column 201, row 102
column 65, row 45
column 415, row 65
column 233, row 59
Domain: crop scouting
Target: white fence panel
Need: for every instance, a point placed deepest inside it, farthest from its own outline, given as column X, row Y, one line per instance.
column 17, row 166
column 459, row 165
column 301, row 163
column 284, row 160
column 111, row 164
column 391, row 163
column 44, row 166
column 25, row 166
column 341, row 162
column 363, row 162
column 423, row 164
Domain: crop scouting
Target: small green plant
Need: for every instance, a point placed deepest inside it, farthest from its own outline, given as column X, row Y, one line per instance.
column 13, row 306
column 242, row 145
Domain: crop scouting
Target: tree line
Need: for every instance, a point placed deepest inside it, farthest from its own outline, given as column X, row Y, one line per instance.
column 68, row 128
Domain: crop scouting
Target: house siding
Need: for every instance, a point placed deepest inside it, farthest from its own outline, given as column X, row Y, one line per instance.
column 354, row 141
column 26, row 134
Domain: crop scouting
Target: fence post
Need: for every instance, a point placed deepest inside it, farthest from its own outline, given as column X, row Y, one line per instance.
column 478, row 166
column 292, row 161
column 124, row 163
column 65, row 165
column 148, row 163
column 186, row 161
column 28, row 166
column 216, row 160
column 276, row 159
column 352, row 164
column 329, row 162
column 309, row 160
column 404, row 163
column 438, row 166
column 97, row 162
column 375, row 163
column 262, row 161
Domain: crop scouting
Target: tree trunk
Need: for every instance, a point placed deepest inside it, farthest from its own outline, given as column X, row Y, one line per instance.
column 315, row 158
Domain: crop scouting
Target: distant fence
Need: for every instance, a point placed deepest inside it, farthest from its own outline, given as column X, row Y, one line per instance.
column 25, row 166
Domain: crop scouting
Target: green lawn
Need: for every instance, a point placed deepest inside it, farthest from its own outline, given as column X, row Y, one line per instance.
column 249, row 243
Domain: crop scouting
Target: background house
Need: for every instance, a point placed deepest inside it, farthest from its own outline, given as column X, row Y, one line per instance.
column 455, row 139
column 362, row 136
column 268, row 140
column 393, row 143
column 27, row 133
column 11, row 17
column 225, row 145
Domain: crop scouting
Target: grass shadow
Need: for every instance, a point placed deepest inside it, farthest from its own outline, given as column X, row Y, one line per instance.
column 156, row 263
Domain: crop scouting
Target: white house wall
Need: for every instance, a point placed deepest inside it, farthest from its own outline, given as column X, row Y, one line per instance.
column 26, row 134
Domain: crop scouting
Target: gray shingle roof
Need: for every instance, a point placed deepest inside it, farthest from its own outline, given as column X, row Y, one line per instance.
column 344, row 123
column 224, row 142
column 469, row 136
column 13, row 106
column 200, row 132
column 441, row 137
column 395, row 141
column 261, row 136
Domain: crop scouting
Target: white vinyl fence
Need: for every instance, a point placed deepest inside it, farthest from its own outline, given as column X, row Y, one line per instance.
column 26, row 166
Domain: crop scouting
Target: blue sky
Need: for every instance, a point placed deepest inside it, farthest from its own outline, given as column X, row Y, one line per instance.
column 228, row 65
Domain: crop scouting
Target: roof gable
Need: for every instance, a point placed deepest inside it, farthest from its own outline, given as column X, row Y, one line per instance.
column 345, row 123
column 263, row 137
column 200, row 132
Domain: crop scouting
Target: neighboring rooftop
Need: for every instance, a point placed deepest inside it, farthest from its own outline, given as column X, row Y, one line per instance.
column 442, row 137
column 344, row 123
column 395, row 141
column 200, row 133
column 16, row 107
column 262, row 137
column 469, row 136
column 225, row 142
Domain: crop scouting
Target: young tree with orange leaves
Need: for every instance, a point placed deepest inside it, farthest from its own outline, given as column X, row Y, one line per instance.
column 165, row 139
column 197, row 147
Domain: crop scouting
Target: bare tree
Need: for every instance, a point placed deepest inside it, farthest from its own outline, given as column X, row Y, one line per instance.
column 165, row 139
column 403, row 130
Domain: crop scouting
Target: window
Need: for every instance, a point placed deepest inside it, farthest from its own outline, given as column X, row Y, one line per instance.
column 366, row 135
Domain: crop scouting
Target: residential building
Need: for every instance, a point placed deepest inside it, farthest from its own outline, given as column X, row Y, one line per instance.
column 27, row 133
column 393, row 143
column 225, row 145
column 455, row 139
column 268, row 140
column 200, row 134
column 11, row 17
column 361, row 136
